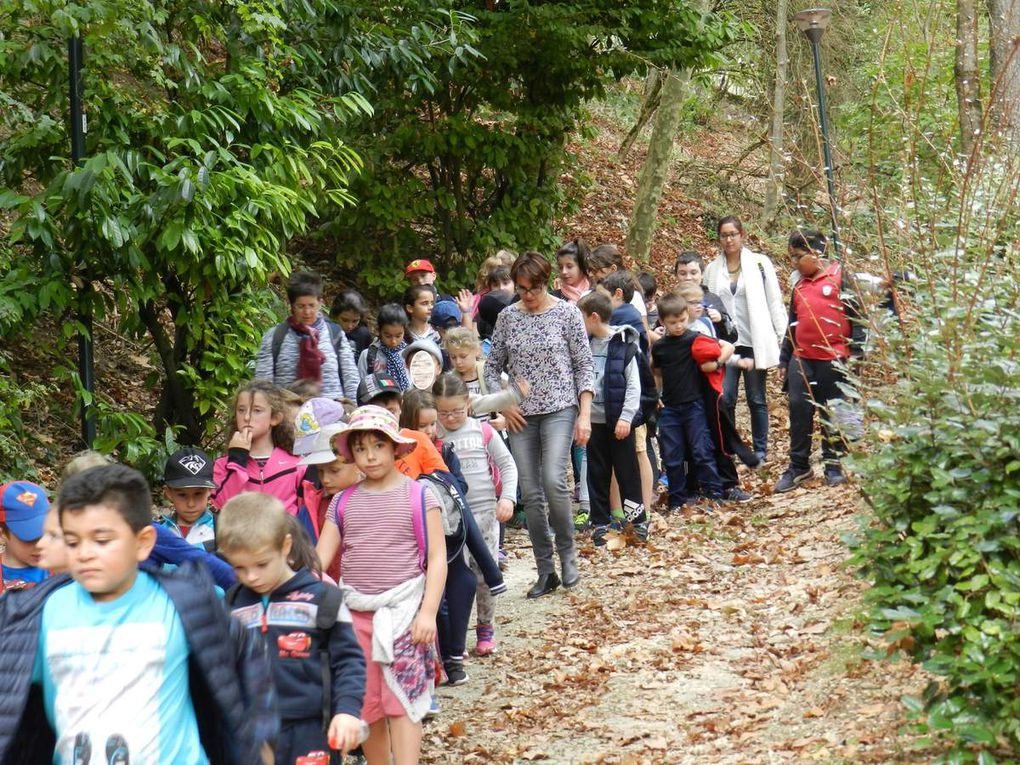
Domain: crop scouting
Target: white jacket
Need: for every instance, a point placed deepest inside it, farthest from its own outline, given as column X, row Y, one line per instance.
column 765, row 307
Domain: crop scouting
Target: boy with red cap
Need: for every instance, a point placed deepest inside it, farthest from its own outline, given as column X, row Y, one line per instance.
column 23, row 508
column 420, row 271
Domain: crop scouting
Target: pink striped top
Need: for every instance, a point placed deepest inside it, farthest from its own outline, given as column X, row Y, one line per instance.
column 380, row 550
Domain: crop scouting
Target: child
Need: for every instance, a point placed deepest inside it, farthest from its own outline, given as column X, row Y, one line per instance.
column 689, row 269
column 649, row 290
column 127, row 661
column 489, row 309
column 187, row 485
column 424, row 361
column 499, row 280
column 604, row 260
column 420, row 271
column 348, row 310
column 419, row 300
column 393, row 569
column 824, row 332
column 620, row 286
column 695, row 296
column 571, row 262
column 259, row 452
column 683, row 429
column 446, row 314
column 465, row 352
column 615, row 407
column 307, row 346
column 383, row 354
column 318, row 666
column 23, row 508
column 478, row 449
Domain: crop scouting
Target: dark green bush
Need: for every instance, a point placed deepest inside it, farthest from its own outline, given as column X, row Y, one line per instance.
column 943, row 547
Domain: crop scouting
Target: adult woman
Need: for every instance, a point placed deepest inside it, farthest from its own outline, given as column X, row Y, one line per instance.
column 747, row 284
column 542, row 340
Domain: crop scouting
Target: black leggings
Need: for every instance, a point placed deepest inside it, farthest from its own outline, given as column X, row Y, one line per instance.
column 455, row 610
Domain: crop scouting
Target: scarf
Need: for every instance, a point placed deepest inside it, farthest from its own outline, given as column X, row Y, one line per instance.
column 310, row 358
column 395, row 366
column 406, row 665
column 573, row 293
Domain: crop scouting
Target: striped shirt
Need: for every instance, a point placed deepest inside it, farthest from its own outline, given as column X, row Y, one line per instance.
column 380, row 549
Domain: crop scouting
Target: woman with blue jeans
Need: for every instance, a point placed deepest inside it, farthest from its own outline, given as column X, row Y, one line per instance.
column 542, row 340
column 746, row 283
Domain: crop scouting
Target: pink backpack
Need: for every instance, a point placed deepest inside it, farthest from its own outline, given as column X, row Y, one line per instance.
column 417, row 502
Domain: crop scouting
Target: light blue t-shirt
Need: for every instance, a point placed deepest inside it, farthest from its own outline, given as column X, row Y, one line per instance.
column 115, row 675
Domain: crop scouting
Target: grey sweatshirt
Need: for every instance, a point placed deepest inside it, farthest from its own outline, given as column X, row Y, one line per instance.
column 333, row 364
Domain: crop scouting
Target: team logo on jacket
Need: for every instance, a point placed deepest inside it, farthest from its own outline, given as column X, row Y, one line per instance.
column 294, row 645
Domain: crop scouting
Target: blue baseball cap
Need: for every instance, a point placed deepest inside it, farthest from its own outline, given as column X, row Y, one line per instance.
column 445, row 314
column 23, row 508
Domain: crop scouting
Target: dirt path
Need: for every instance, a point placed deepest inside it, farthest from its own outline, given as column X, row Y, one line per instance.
column 728, row 639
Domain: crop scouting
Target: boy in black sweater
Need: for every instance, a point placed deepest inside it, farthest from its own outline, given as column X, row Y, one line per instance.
column 318, row 666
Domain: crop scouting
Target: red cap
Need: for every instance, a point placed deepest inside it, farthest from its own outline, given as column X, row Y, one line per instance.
column 419, row 265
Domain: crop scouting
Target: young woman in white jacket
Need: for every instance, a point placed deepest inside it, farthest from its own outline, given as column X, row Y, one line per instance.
column 747, row 284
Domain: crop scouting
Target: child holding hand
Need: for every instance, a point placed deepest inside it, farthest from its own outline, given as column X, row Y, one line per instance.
column 393, row 568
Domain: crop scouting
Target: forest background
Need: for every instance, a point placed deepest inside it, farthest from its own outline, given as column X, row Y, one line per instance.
column 230, row 142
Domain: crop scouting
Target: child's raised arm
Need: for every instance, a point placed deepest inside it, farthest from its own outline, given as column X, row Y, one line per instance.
column 423, row 629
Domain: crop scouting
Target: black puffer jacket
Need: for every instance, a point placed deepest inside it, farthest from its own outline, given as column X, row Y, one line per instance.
column 229, row 673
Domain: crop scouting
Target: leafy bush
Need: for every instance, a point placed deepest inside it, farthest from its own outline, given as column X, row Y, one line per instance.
column 17, row 442
column 943, row 548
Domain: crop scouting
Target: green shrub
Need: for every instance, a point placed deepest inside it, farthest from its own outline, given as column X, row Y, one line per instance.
column 943, row 547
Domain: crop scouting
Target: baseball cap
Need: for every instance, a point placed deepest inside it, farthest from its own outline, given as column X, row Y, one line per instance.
column 313, row 415
column 322, row 447
column 376, row 385
column 419, row 265
column 23, row 508
column 189, row 468
column 446, row 314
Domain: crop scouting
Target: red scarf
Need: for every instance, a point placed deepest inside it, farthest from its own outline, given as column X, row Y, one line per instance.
column 310, row 358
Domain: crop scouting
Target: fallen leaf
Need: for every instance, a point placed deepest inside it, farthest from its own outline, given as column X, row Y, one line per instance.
column 458, row 729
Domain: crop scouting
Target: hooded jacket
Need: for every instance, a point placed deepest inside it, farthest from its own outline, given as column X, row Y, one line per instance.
column 228, row 672
column 621, row 381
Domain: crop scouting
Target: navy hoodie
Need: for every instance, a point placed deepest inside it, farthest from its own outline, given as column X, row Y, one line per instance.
column 301, row 653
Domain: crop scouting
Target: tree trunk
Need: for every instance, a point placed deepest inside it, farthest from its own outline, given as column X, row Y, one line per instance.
column 777, row 164
column 649, row 104
column 968, row 78
column 1004, row 65
column 655, row 170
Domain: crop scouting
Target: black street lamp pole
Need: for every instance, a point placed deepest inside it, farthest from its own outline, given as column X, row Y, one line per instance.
column 85, row 371
column 813, row 23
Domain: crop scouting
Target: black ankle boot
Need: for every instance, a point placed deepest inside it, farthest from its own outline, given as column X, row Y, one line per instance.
column 546, row 583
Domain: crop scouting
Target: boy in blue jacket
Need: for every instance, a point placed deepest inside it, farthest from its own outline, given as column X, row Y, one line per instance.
column 318, row 665
column 123, row 665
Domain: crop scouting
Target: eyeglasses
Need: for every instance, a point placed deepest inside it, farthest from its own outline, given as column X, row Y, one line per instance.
column 536, row 290
column 730, row 235
column 447, row 414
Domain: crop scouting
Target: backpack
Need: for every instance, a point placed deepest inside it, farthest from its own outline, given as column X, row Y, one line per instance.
column 453, row 507
column 649, row 392
column 497, row 478
column 325, row 618
column 336, row 338
column 417, row 517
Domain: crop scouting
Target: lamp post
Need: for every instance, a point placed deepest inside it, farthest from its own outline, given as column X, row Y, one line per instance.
column 85, row 371
column 812, row 23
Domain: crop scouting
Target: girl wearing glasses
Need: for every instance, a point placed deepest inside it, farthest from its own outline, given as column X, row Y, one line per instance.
column 542, row 339
column 747, row 284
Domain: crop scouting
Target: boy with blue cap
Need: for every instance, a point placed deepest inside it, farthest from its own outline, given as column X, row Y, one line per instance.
column 23, row 508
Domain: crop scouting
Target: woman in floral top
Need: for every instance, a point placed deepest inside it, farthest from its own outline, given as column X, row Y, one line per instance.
column 542, row 340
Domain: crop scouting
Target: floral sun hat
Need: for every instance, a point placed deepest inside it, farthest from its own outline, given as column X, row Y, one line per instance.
column 371, row 417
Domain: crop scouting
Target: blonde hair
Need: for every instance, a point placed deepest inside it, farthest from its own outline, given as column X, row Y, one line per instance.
column 252, row 521
column 691, row 292
column 461, row 337
column 83, row 461
column 503, row 258
column 282, row 434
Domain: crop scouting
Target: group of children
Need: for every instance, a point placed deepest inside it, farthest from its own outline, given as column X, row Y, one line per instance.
column 357, row 517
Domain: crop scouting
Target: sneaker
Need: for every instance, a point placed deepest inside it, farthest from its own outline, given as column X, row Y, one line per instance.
column 117, row 750
column 599, row 534
column 518, row 521
column 640, row 531
column 455, row 674
column 485, row 635
column 581, row 521
column 736, row 494
column 791, row 479
column 834, row 475
column 502, row 560
column 433, row 709
column 82, row 752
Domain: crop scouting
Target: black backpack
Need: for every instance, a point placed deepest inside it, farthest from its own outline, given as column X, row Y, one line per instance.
column 454, row 508
column 325, row 618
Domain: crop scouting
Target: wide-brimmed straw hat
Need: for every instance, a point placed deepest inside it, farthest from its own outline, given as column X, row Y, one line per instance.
column 371, row 417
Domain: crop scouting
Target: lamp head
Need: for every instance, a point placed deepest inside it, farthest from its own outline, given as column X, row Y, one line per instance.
column 812, row 21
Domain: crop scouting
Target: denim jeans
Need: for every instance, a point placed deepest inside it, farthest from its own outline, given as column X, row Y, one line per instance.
column 683, row 433
column 754, row 389
column 542, row 454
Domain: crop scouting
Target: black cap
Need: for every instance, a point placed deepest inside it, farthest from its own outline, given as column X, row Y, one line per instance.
column 189, row 468
column 376, row 385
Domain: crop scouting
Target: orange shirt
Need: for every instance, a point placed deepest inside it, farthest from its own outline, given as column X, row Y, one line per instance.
column 424, row 459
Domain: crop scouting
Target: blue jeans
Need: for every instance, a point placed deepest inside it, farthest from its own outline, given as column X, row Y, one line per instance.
column 683, row 433
column 754, row 389
column 542, row 454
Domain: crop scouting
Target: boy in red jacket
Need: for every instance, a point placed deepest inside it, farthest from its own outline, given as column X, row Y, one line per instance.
column 824, row 332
